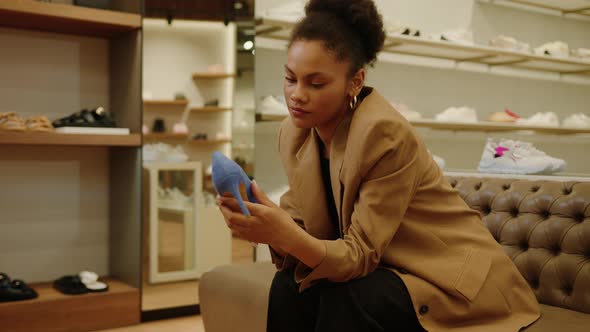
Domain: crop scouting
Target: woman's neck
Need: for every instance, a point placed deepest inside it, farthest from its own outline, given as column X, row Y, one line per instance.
column 326, row 132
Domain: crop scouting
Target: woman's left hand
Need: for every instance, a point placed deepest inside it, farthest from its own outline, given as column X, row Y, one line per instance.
column 267, row 224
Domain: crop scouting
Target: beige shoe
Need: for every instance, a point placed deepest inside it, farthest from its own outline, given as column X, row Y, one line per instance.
column 11, row 122
column 38, row 123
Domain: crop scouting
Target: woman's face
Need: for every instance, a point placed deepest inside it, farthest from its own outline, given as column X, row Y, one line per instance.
column 316, row 85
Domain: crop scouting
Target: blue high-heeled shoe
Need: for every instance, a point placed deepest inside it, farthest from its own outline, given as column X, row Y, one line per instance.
column 227, row 176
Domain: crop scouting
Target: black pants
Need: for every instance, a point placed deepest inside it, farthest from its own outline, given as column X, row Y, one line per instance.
column 377, row 302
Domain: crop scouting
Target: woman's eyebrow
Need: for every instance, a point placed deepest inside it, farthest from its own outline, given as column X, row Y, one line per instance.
column 317, row 73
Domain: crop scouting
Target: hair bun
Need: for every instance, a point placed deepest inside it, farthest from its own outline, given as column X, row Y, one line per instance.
column 360, row 15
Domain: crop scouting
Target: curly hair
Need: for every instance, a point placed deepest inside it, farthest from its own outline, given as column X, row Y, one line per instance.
column 352, row 29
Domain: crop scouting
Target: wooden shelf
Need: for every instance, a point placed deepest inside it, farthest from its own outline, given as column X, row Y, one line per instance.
column 575, row 9
column 485, row 126
column 165, row 136
column 210, row 109
column 490, row 59
column 212, row 75
column 54, row 311
column 269, row 117
column 34, row 138
column 69, row 19
column 209, row 141
column 182, row 103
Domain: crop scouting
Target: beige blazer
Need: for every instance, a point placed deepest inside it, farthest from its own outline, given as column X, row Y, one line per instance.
column 397, row 211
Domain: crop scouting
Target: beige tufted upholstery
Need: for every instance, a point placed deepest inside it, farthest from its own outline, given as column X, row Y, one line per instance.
column 544, row 226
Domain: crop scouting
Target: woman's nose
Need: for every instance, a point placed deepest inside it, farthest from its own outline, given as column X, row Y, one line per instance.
column 298, row 95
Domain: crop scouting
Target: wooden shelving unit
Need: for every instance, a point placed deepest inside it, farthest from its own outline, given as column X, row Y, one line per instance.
column 489, row 58
column 209, row 76
column 162, row 102
column 209, row 141
column 118, row 307
column 165, row 136
column 33, row 138
column 69, row 19
column 110, row 175
column 210, row 109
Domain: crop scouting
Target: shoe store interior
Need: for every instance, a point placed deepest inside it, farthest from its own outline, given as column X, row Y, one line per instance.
column 111, row 112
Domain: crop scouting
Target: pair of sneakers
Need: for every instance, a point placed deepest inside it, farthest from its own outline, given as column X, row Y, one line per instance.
column 173, row 197
column 271, row 105
column 163, row 152
column 506, row 156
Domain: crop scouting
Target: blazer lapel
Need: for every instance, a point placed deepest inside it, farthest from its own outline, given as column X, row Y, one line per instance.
column 337, row 148
column 311, row 191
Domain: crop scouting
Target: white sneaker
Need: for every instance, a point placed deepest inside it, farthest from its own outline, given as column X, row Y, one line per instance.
column 439, row 161
column 406, row 112
column 457, row 114
column 150, row 153
column 505, row 116
column 176, row 155
column 458, row 36
column 556, row 49
column 273, row 106
column 545, row 119
column 178, row 198
column 510, row 43
column 527, row 148
column 583, row 53
column 293, row 11
column 504, row 159
column 578, row 120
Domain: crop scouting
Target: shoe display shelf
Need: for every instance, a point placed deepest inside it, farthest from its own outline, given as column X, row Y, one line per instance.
column 481, row 126
column 212, row 76
column 54, row 311
column 163, row 102
column 119, row 30
column 55, row 139
column 273, row 33
column 561, row 177
column 571, row 9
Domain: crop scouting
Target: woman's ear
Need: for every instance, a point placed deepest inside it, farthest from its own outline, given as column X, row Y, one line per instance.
column 357, row 82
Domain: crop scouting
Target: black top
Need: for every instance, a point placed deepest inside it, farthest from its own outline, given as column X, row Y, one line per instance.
column 332, row 212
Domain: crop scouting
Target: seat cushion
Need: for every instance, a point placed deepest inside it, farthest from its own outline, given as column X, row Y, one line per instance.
column 558, row 319
column 235, row 297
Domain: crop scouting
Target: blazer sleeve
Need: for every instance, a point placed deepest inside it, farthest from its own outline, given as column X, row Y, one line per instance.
column 287, row 204
column 389, row 171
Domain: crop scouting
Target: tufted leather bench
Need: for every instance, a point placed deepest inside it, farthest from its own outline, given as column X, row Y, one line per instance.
column 543, row 225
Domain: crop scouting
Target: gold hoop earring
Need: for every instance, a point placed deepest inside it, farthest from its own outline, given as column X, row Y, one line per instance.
column 353, row 102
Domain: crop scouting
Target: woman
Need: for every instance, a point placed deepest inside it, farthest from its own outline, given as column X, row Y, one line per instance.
column 370, row 236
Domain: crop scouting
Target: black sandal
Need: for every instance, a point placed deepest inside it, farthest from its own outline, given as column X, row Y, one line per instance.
column 70, row 285
column 97, row 117
column 15, row 290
